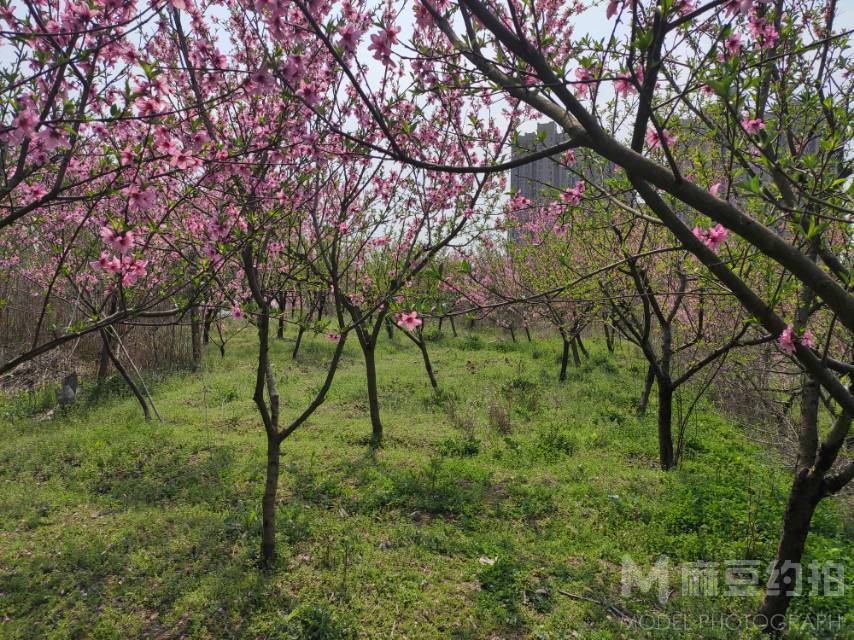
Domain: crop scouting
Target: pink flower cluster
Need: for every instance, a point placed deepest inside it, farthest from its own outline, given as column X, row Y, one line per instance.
column 128, row 267
column 653, row 139
column 787, row 339
column 382, row 42
column 713, row 238
column 752, row 125
column 409, row 321
column 121, row 241
column 573, row 195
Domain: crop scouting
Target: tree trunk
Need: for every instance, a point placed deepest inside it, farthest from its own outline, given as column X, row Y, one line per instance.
column 665, row 419
column 268, row 505
column 210, row 315
column 647, row 389
column 104, row 363
column 609, row 338
column 389, row 328
column 280, row 329
column 581, row 346
column 804, row 496
column 527, row 332
column 196, row 337
column 427, row 365
column 564, row 359
column 575, row 359
column 512, row 333
column 373, row 395
column 298, row 341
column 126, row 376
column 453, row 327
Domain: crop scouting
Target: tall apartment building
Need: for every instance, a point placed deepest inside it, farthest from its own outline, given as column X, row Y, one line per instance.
column 538, row 180
column 533, row 179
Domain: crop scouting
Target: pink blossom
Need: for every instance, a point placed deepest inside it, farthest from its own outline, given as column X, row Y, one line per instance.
column 573, row 195
column 343, row 228
column 293, row 69
column 715, row 189
column 25, row 122
column 237, row 313
column 308, row 91
column 51, row 138
column 349, row 38
column 107, row 262
column 334, row 337
column 611, row 11
column 713, row 238
column 585, row 78
column 752, row 126
column 623, row 86
column 717, row 235
column 808, row 340
column 141, row 199
column 382, row 42
column 787, row 340
column 653, row 139
column 409, row 321
column 733, row 44
column 118, row 241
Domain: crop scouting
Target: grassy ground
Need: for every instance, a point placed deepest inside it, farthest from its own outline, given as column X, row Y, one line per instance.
column 493, row 511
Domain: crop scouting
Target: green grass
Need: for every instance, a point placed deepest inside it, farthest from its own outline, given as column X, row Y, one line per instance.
column 487, row 504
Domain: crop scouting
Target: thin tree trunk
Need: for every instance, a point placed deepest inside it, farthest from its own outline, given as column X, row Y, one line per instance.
column 210, row 315
column 104, row 363
column 564, row 359
column 647, row 389
column 268, row 504
column 126, row 376
column 373, row 394
column 196, row 337
column 527, row 332
column 575, row 359
column 298, row 342
column 665, row 426
column 803, row 498
column 512, row 333
column 453, row 327
column 581, row 346
column 609, row 339
column 280, row 330
column 427, row 365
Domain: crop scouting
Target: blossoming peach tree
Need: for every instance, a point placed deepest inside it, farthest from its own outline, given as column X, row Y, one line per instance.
column 724, row 116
